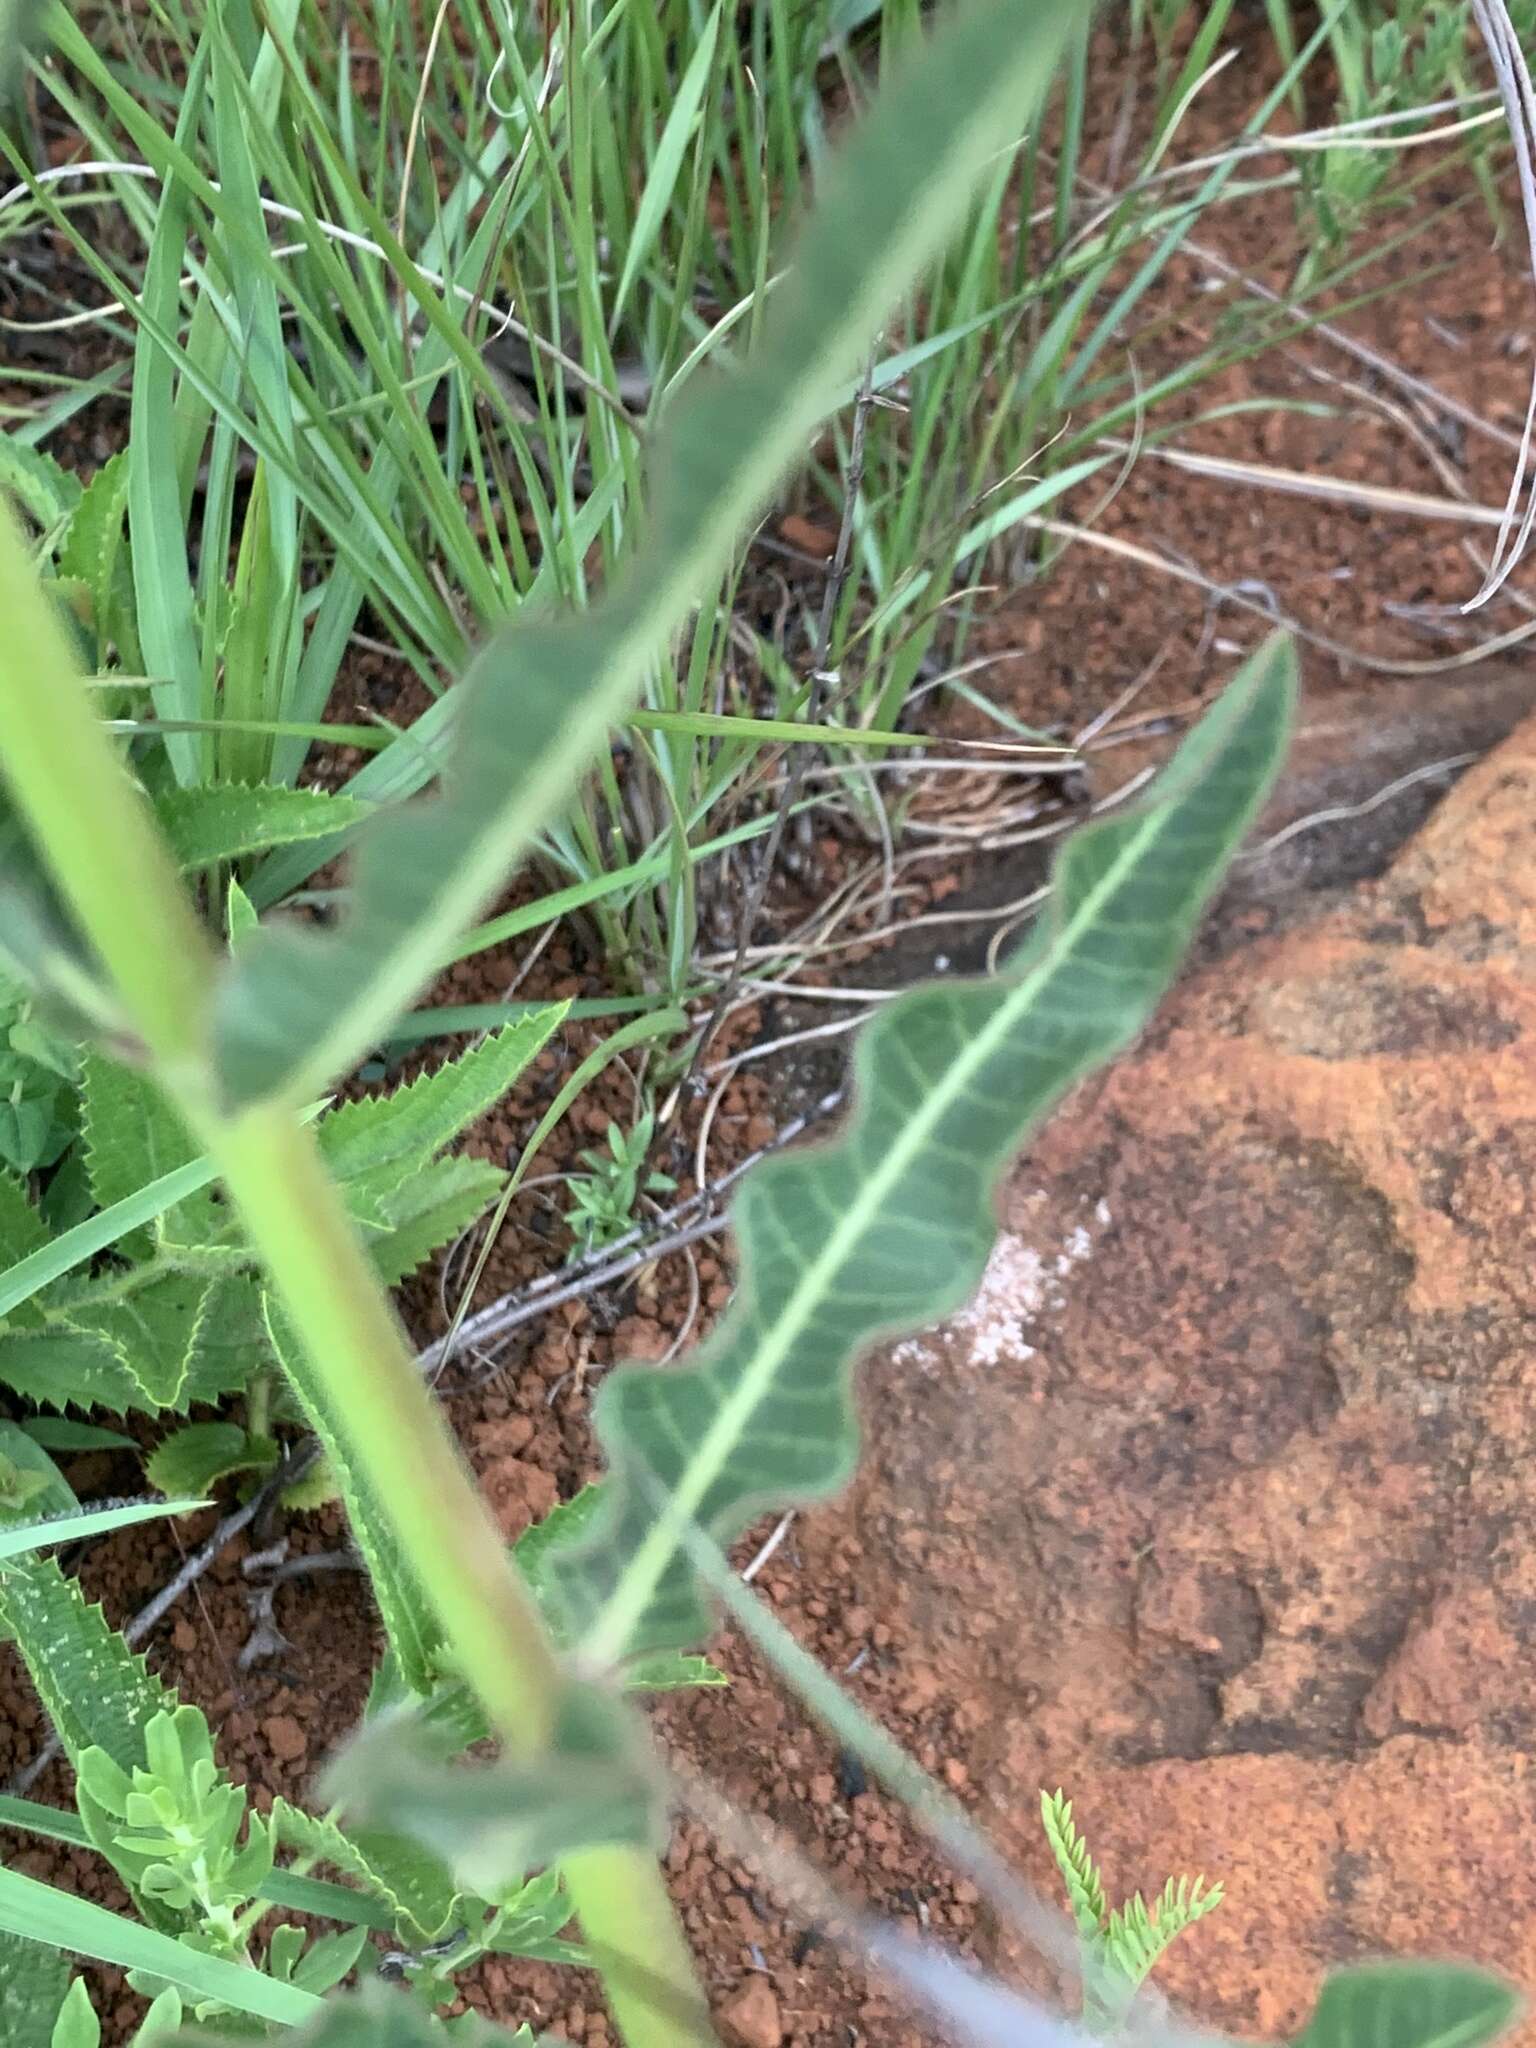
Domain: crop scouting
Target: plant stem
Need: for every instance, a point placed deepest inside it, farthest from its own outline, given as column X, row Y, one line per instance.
column 117, row 877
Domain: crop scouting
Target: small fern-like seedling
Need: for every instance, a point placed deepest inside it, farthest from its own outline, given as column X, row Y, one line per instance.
column 1118, row 1946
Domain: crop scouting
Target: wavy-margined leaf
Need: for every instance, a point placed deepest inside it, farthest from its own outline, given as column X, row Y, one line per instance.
column 212, row 822
column 888, row 1226
column 298, row 1006
column 1410, row 2005
column 437, row 1204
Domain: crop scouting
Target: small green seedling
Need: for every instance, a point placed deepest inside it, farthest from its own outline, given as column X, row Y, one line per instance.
column 1118, row 1946
column 603, row 1200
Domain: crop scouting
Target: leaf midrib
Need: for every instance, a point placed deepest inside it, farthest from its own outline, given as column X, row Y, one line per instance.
column 609, row 1634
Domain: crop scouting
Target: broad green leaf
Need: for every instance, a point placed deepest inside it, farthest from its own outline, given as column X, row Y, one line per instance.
column 54, row 1433
column 28, row 1276
column 409, row 1623
column 34, row 1982
column 31, row 1485
column 415, row 1888
column 433, row 1207
column 888, row 1227
column 77, row 2025
column 38, row 1912
column 154, row 1329
column 296, row 1007
column 1410, row 2005
column 62, row 1369
column 132, row 1135
column 96, row 1691
column 22, row 1230
column 378, row 2017
column 221, row 821
column 403, row 1129
column 193, row 1460
column 42, row 485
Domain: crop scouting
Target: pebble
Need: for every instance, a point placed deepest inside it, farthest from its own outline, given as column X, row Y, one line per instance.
column 752, row 2018
column 285, row 1738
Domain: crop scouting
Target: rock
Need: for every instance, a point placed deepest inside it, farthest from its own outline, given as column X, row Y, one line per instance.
column 519, row 1493
column 285, row 1738
column 1218, row 1506
column 751, row 2019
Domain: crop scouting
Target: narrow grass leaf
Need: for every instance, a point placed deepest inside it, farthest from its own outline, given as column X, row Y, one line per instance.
column 297, row 1007
column 37, row 1912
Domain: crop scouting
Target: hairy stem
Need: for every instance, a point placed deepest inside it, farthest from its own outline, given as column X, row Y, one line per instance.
column 111, row 867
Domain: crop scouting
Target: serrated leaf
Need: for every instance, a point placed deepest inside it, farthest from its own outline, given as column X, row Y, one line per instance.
column 96, row 1691
column 154, row 1330
column 64, row 1369
column 132, row 1136
column 888, row 1227
column 222, row 821
column 415, row 1886
column 34, row 1982
column 230, row 1342
column 31, row 1485
column 436, row 1204
column 298, row 1006
column 1410, row 2005
column 364, row 1140
column 56, row 1434
column 193, row 1460
column 47, row 490
column 96, row 551
column 409, row 1623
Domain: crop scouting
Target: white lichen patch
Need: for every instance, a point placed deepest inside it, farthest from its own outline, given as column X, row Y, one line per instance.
column 1022, row 1285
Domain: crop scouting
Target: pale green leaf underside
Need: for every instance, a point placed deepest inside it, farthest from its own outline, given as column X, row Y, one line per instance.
column 889, row 1226
column 33, row 1983
column 1410, row 2005
column 208, row 824
column 298, row 1006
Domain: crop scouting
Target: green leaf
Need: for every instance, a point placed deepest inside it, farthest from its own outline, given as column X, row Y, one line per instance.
column 56, row 1434
column 77, row 2025
column 297, row 1007
column 132, row 1135
column 490, row 1824
column 34, row 1982
column 435, row 1205
column 58, row 1369
column 40, row 483
column 31, row 1485
column 38, row 1912
column 193, row 1460
column 26, row 1537
column 96, row 1692
column 22, row 1230
column 96, row 551
column 154, row 1329
column 378, row 2017
column 382, row 1134
column 1410, row 2005
column 409, row 1623
column 888, row 1227
column 414, row 1886
column 221, row 821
